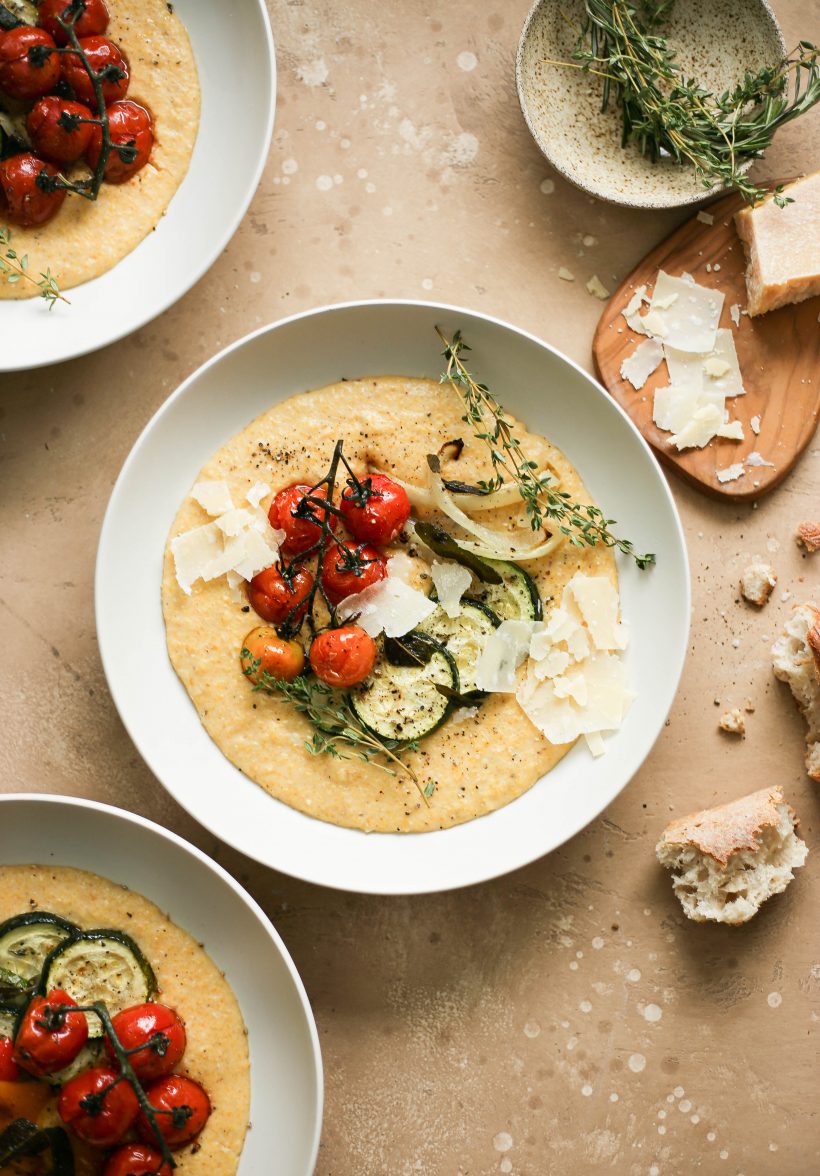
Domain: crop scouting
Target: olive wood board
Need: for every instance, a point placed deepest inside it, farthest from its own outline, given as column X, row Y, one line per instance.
column 778, row 353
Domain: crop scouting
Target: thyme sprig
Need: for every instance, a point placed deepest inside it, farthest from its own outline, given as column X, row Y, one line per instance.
column 14, row 268
column 665, row 113
column 583, row 524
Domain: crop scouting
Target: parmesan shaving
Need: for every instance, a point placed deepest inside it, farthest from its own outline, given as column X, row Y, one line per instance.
column 700, row 429
column 194, row 552
column 757, row 459
column 734, row 313
column 642, row 362
column 715, row 367
column 504, row 651
column 233, row 522
column 732, row 431
column 729, row 381
column 655, row 323
column 597, row 602
column 390, row 606
column 705, row 218
column 731, row 473
column 691, row 320
column 596, row 287
column 634, row 304
column 755, row 423
column 451, row 581
column 213, row 497
column 257, row 492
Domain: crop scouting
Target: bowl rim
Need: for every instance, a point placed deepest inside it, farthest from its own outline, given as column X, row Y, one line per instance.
column 192, row 851
column 696, row 197
column 384, row 886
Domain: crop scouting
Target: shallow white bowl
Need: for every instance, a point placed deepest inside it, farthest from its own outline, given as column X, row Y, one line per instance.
column 286, row 1064
column 538, row 384
column 233, row 46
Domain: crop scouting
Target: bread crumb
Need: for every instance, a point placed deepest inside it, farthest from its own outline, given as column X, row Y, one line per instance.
column 808, row 536
column 733, row 722
column 726, row 861
column 757, row 582
column 796, row 660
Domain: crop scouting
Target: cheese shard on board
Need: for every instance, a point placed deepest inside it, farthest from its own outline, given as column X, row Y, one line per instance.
column 213, row 497
column 699, row 430
column 451, row 581
column 731, row 473
column 674, row 407
column 685, row 368
column 575, row 682
column 503, row 652
column 721, row 369
column 691, row 319
column 782, row 247
column 389, row 606
column 732, row 431
column 642, row 362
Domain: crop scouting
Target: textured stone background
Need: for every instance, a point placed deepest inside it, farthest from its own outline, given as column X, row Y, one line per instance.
column 565, row 1019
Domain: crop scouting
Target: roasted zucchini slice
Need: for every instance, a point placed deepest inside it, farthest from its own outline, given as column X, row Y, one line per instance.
column 463, row 637
column 100, row 965
column 516, row 598
column 400, row 703
column 26, row 940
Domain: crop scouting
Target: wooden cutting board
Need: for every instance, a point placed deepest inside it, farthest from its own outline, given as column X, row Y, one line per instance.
column 779, row 355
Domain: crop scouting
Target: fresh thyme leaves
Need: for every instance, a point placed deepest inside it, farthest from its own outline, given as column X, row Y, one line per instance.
column 337, row 729
column 14, row 268
column 664, row 113
column 583, row 524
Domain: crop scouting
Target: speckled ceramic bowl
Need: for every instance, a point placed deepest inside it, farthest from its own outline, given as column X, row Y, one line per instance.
column 716, row 41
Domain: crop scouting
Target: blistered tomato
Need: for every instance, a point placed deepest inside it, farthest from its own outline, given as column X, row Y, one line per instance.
column 137, row 1159
column 264, row 651
column 160, row 1033
column 376, row 510
column 106, row 60
column 57, row 130
column 300, row 532
column 50, row 1034
column 97, row 1107
column 25, row 197
column 274, row 598
column 29, row 63
column 92, row 20
column 347, row 569
column 343, row 657
column 132, row 137
column 189, row 1108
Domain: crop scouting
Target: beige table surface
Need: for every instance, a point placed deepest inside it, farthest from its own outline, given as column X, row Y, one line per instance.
column 565, row 1019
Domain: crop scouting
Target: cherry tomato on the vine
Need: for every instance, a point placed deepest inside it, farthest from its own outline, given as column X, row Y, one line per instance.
column 9, row 1070
column 263, row 650
column 132, row 136
column 23, row 198
column 300, row 534
column 29, row 63
column 136, row 1159
column 343, row 657
column 273, row 597
column 347, row 569
column 92, row 20
column 159, row 1030
column 98, row 1108
column 50, row 1035
column 56, row 130
column 377, row 512
column 105, row 59
column 189, row 1108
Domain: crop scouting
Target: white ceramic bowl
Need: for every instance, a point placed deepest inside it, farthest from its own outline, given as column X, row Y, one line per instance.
column 234, row 51
column 286, row 1065
column 538, row 384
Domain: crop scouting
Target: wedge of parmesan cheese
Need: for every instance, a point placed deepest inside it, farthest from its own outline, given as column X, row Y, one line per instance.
column 782, row 247
column 642, row 362
column 691, row 319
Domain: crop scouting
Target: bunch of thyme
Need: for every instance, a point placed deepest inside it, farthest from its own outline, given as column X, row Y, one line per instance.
column 14, row 268
column 664, row 113
column 583, row 524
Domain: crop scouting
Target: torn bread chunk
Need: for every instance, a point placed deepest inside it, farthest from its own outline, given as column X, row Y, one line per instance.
column 758, row 582
column 733, row 722
column 726, row 861
column 796, row 660
column 808, row 536
column 782, row 247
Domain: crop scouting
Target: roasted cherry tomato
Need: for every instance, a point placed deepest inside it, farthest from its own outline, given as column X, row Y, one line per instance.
column 106, row 60
column 29, row 65
column 132, row 135
column 50, row 1035
column 377, row 512
column 23, row 199
column 136, row 1159
column 9, row 1070
column 264, row 649
column 156, row 1027
column 56, row 130
column 184, row 1110
column 347, row 569
column 300, row 534
column 98, row 1108
column 343, row 657
column 274, row 597
column 92, row 20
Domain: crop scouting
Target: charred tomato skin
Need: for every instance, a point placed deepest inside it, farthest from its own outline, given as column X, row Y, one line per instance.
column 137, row 1027
column 102, row 54
column 98, row 1108
column 273, row 597
column 29, row 63
column 132, row 132
column 343, row 657
column 136, row 1159
column 340, row 580
column 188, row 1103
column 280, row 658
column 377, row 515
column 300, row 534
column 22, row 199
column 51, row 140
column 93, row 20
column 50, row 1035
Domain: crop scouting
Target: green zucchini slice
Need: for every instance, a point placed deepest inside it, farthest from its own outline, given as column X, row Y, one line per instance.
column 516, row 598
column 100, row 965
column 8, row 1020
column 463, row 637
column 26, row 940
column 400, row 703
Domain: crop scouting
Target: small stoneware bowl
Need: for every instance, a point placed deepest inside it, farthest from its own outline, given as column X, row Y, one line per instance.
column 716, row 41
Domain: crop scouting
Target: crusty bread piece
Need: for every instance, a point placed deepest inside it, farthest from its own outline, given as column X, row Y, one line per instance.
column 782, row 247
column 808, row 536
column 796, row 660
column 757, row 582
column 733, row 722
column 726, row 861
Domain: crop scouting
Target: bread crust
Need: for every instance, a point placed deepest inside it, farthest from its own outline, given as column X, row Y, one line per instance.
column 724, row 830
